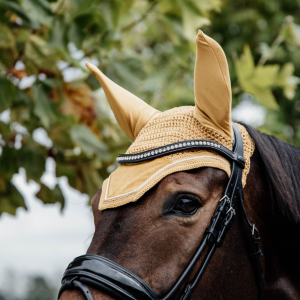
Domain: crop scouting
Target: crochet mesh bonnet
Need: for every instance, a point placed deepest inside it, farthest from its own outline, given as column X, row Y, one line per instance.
column 148, row 128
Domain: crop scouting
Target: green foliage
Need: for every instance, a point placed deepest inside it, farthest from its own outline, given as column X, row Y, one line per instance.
column 7, row 93
column 49, row 196
column 11, row 199
column 88, row 142
column 7, row 39
column 38, row 288
column 258, row 80
column 270, row 29
column 146, row 46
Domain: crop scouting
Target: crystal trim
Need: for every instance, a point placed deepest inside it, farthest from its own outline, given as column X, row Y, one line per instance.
column 168, row 148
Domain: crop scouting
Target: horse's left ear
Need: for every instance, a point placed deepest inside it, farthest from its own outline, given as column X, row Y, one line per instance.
column 131, row 113
column 212, row 86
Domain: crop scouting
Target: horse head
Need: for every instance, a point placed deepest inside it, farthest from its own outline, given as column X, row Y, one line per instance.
column 173, row 193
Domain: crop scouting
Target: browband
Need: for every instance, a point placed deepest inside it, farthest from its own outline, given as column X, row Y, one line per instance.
column 181, row 146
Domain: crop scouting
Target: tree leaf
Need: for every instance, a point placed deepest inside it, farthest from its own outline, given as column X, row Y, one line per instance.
column 265, row 76
column 4, row 130
column 82, row 7
column 60, row 136
column 287, row 81
column 92, row 179
column 206, row 6
column 7, row 39
column 41, row 56
column 63, row 169
column 291, row 34
column 245, row 66
column 58, row 33
column 9, row 164
column 11, row 200
column 33, row 160
column 49, row 196
column 257, row 81
column 92, row 82
column 265, row 97
column 191, row 20
column 18, row 10
column 7, row 93
column 38, row 10
column 42, row 108
column 111, row 12
column 88, row 142
column 78, row 102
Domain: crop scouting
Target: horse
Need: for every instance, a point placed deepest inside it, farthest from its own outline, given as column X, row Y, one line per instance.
column 156, row 236
column 164, row 213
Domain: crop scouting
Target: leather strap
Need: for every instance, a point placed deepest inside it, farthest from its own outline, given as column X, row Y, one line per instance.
column 256, row 253
column 102, row 273
column 234, row 191
column 255, row 256
column 84, row 289
column 224, row 213
column 72, row 284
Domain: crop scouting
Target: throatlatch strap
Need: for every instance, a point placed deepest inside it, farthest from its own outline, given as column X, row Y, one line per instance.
column 255, row 256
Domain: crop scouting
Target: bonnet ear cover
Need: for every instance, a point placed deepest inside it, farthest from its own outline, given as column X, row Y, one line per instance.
column 209, row 119
column 212, row 86
column 131, row 113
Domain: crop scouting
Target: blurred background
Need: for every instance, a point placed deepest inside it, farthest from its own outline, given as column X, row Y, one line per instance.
column 58, row 137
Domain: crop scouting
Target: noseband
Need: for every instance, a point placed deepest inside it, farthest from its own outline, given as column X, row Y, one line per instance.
column 115, row 280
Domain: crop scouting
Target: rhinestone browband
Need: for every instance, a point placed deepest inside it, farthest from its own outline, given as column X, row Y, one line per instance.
column 176, row 147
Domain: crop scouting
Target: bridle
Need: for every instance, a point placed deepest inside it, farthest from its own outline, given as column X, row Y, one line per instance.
column 115, row 280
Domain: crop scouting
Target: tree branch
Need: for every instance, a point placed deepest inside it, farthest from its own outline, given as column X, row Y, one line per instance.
column 59, row 6
column 279, row 39
column 143, row 16
column 273, row 48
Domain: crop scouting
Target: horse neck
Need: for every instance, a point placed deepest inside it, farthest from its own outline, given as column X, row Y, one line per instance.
column 279, row 237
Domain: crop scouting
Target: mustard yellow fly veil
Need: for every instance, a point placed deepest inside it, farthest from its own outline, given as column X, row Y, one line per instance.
column 209, row 119
column 212, row 86
column 131, row 113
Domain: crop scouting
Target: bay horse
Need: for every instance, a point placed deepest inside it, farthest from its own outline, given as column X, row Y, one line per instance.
column 168, row 207
column 156, row 237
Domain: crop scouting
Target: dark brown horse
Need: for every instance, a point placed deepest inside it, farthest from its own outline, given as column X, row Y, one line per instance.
column 156, row 237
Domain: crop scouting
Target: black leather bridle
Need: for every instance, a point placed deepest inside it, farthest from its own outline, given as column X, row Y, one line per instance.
column 115, row 280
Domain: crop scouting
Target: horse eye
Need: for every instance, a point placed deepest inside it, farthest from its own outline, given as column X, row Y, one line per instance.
column 187, row 206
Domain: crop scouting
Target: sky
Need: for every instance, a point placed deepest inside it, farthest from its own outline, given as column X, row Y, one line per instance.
column 43, row 240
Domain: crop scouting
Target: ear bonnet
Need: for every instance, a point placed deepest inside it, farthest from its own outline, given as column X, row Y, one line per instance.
column 209, row 120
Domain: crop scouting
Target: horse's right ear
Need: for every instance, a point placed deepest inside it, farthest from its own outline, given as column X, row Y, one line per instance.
column 131, row 113
column 212, row 86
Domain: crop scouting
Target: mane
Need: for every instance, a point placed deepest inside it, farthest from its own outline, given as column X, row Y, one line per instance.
column 281, row 162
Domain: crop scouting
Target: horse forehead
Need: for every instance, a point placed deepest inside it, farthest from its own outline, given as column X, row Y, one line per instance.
column 181, row 178
column 203, row 176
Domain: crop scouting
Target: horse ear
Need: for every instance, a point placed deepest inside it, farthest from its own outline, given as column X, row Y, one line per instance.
column 131, row 113
column 212, row 86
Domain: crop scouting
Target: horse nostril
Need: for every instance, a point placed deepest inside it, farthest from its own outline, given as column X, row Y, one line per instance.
column 118, row 226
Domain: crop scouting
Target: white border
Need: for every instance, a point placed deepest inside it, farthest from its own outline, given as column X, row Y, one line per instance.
column 176, row 162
